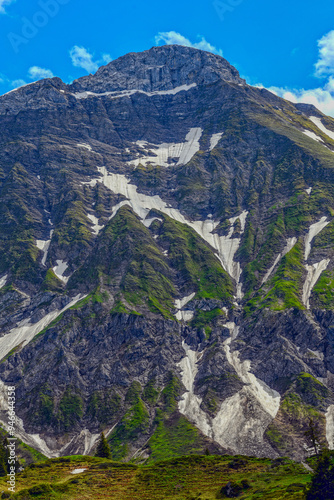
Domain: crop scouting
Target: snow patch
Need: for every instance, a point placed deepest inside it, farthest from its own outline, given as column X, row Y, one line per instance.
column 78, row 471
column 59, row 270
column 26, row 331
column 313, row 231
column 184, row 315
column 181, row 88
column 318, row 123
column 241, row 424
column 148, row 222
column 162, row 153
column 180, row 303
column 215, row 138
column 313, row 274
column 95, row 221
column 3, row 281
column 309, row 190
column 312, row 135
column 243, row 418
column 191, row 147
column 44, row 245
column 268, row 398
column 128, row 93
column 190, row 404
column 225, row 246
column 86, row 146
column 33, row 440
column 290, row 243
column 319, row 355
column 89, row 440
column 81, row 444
column 330, row 427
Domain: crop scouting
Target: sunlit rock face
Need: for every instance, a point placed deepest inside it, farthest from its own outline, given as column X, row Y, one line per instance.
column 166, row 261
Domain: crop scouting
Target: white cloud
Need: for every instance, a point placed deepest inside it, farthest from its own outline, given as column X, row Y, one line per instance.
column 34, row 73
column 3, row 3
column 174, row 38
column 321, row 98
column 37, row 73
column 325, row 64
column 106, row 58
column 82, row 58
column 15, row 84
column 330, row 84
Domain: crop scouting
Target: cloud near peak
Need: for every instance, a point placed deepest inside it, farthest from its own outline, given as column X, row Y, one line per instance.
column 174, row 38
column 322, row 97
column 37, row 73
column 82, row 58
column 325, row 64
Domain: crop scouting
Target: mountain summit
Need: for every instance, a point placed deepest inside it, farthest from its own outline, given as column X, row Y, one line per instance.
column 166, row 261
column 161, row 68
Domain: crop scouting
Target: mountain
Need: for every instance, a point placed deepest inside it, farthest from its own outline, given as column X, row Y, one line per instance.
column 166, row 262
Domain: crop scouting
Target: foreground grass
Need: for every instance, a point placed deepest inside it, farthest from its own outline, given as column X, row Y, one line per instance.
column 186, row 478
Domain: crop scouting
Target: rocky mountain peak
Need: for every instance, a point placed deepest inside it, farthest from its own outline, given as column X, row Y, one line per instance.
column 159, row 69
column 166, row 262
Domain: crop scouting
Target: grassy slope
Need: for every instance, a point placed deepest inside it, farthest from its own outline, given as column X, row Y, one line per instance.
column 184, row 478
column 25, row 454
column 128, row 258
column 284, row 286
column 305, row 399
column 196, row 264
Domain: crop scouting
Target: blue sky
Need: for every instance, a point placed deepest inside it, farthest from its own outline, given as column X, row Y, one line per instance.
column 287, row 46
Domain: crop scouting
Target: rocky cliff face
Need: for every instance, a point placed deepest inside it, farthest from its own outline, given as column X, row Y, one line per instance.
column 166, row 261
column 159, row 69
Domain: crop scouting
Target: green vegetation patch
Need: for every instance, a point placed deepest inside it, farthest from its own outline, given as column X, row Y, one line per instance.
column 150, row 393
column 323, row 291
column 195, row 262
column 174, row 437
column 74, row 227
column 134, row 423
column 312, row 391
column 103, row 406
column 18, row 221
column 70, row 409
column 284, row 287
column 190, row 477
column 206, row 319
column 170, row 394
column 127, row 254
column 52, row 283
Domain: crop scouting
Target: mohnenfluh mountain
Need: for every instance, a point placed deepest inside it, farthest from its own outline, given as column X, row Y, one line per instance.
column 166, row 262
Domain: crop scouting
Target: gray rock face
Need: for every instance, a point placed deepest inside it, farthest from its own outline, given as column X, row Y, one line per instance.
column 158, row 69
